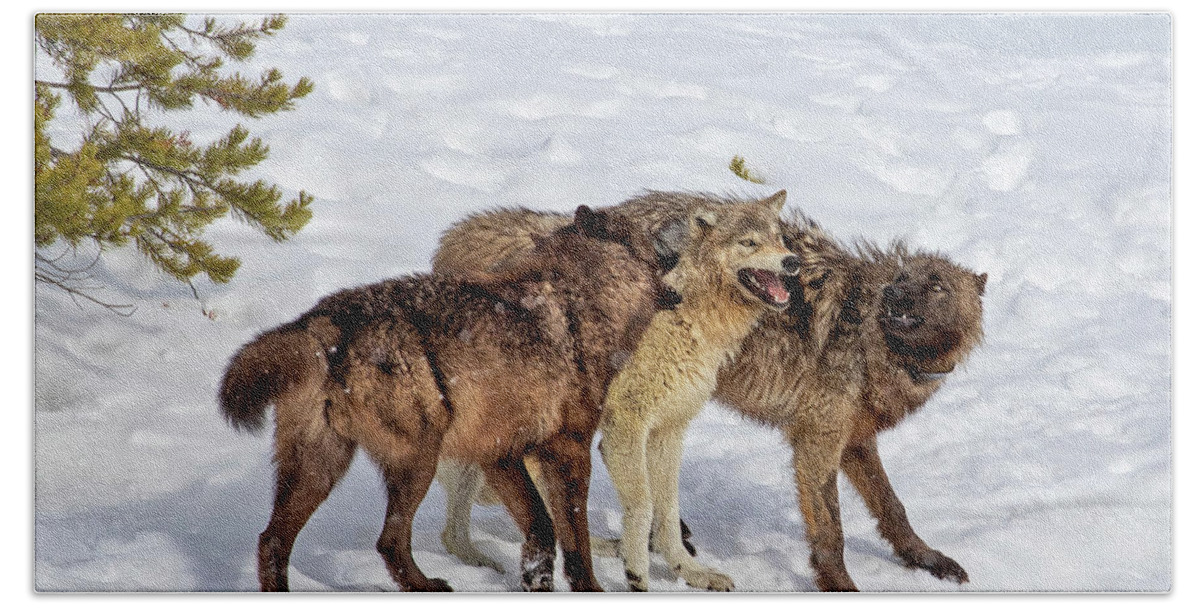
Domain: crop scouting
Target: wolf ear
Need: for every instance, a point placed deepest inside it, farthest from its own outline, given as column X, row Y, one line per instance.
column 776, row 201
column 981, row 282
column 670, row 237
column 669, row 240
column 591, row 223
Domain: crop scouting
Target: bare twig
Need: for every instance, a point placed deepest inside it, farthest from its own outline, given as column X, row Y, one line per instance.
column 125, row 310
column 50, row 271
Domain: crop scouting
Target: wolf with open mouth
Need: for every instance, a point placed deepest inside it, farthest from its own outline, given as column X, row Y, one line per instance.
column 729, row 276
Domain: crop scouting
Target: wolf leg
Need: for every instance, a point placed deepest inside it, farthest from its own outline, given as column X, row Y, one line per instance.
column 566, row 475
column 511, row 482
column 664, row 454
column 407, row 484
column 862, row 465
column 462, row 482
column 611, row 547
column 308, row 465
column 624, row 453
column 815, row 464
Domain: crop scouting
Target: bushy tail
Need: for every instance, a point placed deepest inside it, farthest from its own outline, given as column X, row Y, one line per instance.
column 264, row 370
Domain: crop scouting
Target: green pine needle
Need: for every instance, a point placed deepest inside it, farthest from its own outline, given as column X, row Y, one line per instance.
column 131, row 182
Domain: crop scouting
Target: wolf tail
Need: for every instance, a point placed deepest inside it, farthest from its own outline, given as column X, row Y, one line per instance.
column 267, row 369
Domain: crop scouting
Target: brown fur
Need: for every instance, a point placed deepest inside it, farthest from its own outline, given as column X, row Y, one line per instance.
column 492, row 239
column 427, row 365
column 830, row 374
column 838, row 369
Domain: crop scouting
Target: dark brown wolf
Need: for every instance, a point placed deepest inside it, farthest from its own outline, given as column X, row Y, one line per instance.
column 868, row 339
column 485, row 368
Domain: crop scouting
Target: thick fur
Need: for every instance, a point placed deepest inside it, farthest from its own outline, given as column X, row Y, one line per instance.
column 845, row 363
column 489, row 369
column 673, row 372
column 830, row 375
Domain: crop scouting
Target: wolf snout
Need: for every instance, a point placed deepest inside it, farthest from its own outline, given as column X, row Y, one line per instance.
column 897, row 297
column 791, row 265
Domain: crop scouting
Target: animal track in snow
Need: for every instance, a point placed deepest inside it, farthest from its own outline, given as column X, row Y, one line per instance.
column 969, row 139
column 346, row 87
column 558, row 151
column 1007, row 168
column 465, row 170
column 913, row 179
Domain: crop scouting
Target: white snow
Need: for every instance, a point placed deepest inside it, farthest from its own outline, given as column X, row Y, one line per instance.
column 1037, row 149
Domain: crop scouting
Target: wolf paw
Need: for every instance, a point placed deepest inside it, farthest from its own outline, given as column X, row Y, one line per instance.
column 472, row 557
column 707, row 579
column 835, row 582
column 433, row 585
column 606, row 547
column 937, row 564
column 538, row 579
column 636, row 583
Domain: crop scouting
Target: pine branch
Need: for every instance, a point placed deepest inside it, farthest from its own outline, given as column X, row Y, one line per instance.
column 99, row 89
column 130, row 182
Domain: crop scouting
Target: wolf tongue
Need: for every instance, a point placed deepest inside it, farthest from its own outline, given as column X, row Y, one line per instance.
column 774, row 287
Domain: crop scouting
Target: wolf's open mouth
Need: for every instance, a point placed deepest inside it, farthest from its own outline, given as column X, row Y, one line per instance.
column 765, row 285
column 900, row 321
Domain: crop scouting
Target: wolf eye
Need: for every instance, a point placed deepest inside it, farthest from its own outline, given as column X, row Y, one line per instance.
column 748, row 243
column 936, row 288
column 820, row 281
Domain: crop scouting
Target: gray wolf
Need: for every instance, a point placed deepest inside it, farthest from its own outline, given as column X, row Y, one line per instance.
column 868, row 340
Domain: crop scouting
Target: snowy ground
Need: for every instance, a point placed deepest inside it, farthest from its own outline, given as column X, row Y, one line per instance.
column 1037, row 149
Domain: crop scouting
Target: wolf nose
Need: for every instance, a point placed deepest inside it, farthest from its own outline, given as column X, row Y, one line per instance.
column 896, row 296
column 791, row 264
